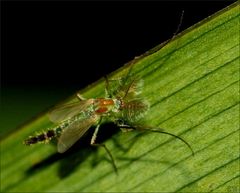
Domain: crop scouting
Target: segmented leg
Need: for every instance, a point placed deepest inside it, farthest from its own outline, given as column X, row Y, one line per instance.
column 80, row 97
column 102, row 145
column 125, row 130
column 107, row 93
column 124, row 127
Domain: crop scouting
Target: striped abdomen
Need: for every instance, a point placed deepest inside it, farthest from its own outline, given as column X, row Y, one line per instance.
column 44, row 137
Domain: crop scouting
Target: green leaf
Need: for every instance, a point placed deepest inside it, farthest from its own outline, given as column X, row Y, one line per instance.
column 192, row 84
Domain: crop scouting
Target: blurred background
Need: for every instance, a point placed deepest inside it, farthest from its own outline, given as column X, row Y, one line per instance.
column 52, row 49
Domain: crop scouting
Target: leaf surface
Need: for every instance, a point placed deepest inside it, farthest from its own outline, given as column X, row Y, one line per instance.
column 192, row 85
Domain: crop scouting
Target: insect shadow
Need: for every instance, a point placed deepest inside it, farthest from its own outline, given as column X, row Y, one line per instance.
column 77, row 154
column 81, row 150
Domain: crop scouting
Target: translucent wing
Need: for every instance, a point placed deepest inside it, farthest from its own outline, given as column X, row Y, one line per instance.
column 74, row 132
column 67, row 111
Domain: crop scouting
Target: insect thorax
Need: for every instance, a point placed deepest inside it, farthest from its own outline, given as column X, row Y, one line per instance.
column 105, row 106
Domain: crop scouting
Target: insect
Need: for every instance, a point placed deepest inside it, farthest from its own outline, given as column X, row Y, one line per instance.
column 122, row 105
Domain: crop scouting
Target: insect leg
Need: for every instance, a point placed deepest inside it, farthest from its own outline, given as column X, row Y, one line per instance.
column 107, row 93
column 179, row 25
column 95, row 135
column 102, row 145
column 178, row 137
column 80, row 97
column 128, row 127
column 124, row 128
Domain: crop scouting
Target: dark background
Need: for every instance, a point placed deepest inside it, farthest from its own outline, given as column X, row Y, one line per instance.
column 52, row 49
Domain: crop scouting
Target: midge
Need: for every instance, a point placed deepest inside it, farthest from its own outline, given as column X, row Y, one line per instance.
column 122, row 105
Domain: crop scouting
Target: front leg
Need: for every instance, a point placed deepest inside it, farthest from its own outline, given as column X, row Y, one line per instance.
column 107, row 92
column 80, row 97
